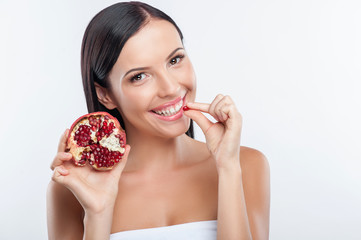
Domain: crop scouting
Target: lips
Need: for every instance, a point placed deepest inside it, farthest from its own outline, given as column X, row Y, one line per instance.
column 169, row 108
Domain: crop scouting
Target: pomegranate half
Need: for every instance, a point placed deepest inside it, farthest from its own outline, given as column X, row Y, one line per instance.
column 97, row 138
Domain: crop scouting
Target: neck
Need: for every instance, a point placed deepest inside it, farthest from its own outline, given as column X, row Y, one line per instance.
column 151, row 153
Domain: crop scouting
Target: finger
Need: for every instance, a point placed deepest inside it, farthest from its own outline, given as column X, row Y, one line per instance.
column 235, row 118
column 230, row 109
column 119, row 167
column 203, row 122
column 227, row 107
column 60, row 158
column 213, row 105
column 204, row 107
column 59, row 174
column 217, row 110
column 63, row 141
column 224, row 116
column 220, row 111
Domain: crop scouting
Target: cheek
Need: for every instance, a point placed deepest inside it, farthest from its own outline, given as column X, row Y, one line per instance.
column 191, row 82
column 187, row 76
column 134, row 100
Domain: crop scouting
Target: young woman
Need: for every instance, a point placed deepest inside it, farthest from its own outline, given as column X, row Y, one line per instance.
column 168, row 185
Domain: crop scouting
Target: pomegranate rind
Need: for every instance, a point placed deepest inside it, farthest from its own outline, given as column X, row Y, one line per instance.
column 77, row 150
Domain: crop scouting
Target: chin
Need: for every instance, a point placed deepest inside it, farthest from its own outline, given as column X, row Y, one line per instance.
column 173, row 131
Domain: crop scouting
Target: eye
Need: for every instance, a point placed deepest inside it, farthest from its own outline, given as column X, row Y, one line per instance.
column 176, row 59
column 138, row 77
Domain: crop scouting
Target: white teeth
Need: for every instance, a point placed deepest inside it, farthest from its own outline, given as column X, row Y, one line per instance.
column 171, row 110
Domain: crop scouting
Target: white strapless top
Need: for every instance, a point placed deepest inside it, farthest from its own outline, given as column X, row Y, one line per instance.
column 202, row 230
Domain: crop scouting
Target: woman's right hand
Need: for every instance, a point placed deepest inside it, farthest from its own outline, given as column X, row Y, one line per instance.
column 95, row 190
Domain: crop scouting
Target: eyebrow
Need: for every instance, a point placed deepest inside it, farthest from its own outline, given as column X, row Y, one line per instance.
column 145, row 68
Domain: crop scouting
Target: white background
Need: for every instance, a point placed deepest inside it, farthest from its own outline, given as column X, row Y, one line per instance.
column 292, row 67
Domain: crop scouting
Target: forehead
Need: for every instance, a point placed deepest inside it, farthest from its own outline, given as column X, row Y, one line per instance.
column 155, row 41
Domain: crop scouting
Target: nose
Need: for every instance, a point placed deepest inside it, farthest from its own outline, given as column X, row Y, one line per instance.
column 168, row 85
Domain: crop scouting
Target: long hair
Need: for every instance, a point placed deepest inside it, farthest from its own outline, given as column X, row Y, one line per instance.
column 103, row 40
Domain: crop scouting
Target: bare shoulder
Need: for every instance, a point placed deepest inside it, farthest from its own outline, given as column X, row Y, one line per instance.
column 64, row 213
column 256, row 185
column 253, row 160
column 255, row 174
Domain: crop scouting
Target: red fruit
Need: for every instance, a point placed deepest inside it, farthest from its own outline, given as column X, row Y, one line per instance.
column 185, row 108
column 97, row 138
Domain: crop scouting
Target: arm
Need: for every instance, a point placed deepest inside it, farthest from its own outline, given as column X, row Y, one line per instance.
column 244, row 198
column 66, row 219
column 232, row 215
column 256, row 184
column 80, row 200
column 243, row 202
column 64, row 213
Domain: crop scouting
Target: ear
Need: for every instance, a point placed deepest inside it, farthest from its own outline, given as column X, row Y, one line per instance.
column 104, row 97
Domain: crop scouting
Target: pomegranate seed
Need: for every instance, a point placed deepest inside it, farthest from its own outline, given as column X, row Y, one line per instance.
column 185, row 108
column 82, row 161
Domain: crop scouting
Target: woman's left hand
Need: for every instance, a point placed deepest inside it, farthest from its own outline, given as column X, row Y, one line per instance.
column 222, row 137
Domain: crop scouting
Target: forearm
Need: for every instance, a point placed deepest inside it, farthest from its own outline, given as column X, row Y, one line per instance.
column 97, row 226
column 232, row 213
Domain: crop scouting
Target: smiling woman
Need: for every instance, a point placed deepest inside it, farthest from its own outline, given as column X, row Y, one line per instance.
column 101, row 49
column 152, row 73
column 168, row 186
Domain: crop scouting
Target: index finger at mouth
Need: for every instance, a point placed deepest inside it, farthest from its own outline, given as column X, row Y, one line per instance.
column 203, row 107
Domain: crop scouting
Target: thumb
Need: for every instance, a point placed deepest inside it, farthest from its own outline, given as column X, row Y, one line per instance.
column 59, row 174
column 119, row 167
column 203, row 122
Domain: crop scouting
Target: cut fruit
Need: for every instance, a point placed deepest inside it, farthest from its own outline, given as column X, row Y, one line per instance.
column 97, row 139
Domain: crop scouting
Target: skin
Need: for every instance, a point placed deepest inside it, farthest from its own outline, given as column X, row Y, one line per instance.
column 165, row 178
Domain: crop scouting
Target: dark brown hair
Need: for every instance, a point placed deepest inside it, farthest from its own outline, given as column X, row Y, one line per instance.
column 103, row 41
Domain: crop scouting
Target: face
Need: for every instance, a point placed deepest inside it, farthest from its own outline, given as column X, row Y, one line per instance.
column 152, row 80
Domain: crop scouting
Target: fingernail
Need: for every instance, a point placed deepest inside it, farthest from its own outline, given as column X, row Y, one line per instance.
column 66, row 154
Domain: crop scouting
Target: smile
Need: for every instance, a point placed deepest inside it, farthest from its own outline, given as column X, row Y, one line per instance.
column 171, row 110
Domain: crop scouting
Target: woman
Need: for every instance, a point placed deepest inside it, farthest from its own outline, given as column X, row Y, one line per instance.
column 134, row 66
